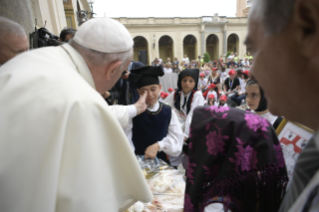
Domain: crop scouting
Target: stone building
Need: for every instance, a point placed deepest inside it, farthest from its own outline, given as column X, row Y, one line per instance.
column 243, row 7
column 175, row 37
column 57, row 14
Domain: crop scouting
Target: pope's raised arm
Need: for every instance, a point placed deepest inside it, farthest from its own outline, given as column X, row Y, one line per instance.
column 124, row 113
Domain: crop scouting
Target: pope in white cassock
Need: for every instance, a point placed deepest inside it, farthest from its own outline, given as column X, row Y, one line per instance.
column 61, row 146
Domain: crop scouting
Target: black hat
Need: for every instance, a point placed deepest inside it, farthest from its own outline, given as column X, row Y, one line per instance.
column 146, row 75
column 194, row 73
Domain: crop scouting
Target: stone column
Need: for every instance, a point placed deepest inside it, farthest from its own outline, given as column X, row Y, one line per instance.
column 203, row 46
column 18, row 11
column 225, row 41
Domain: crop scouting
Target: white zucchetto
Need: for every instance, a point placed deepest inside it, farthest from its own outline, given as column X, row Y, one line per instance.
column 104, row 35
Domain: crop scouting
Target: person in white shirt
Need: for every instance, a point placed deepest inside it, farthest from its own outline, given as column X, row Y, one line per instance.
column 223, row 75
column 13, row 40
column 62, row 147
column 184, row 100
column 245, row 63
column 211, row 90
column 202, row 82
column 157, row 131
column 231, row 56
column 168, row 69
column 185, row 59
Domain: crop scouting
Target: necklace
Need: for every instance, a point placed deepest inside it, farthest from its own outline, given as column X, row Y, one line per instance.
column 230, row 83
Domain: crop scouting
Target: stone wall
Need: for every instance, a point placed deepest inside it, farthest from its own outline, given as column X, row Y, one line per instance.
column 18, row 11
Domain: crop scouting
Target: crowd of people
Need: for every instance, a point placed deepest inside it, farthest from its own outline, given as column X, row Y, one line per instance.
column 74, row 117
column 232, row 61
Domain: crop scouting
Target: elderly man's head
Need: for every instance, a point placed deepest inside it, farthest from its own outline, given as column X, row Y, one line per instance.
column 13, row 40
column 107, row 54
column 287, row 31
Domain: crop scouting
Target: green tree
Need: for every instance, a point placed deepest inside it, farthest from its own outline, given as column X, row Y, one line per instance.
column 206, row 57
column 228, row 53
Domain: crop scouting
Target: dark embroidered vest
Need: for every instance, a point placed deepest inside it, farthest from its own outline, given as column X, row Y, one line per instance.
column 151, row 127
column 177, row 100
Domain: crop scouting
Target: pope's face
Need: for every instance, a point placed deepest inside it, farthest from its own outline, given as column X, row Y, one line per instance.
column 116, row 76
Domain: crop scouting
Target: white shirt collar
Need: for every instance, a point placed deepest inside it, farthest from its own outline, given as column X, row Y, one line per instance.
column 154, row 108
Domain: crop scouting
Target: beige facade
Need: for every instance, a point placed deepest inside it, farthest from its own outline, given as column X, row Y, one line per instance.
column 56, row 13
column 243, row 7
column 61, row 13
column 175, row 37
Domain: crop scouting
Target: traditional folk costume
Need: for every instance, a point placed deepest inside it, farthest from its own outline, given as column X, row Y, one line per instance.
column 61, row 145
column 184, row 105
column 158, row 123
column 263, row 106
column 235, row 163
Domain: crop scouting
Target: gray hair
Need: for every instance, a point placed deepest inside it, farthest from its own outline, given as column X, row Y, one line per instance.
column 99, row 58
column 274, row 14
column 8, row 26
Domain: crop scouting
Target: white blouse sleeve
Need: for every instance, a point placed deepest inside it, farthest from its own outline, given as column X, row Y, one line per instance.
column 215, row 207
column 170, row 100
column 172, row 144
column 198, row 100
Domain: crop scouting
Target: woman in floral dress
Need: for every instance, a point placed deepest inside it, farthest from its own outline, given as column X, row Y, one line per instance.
column 235, row 163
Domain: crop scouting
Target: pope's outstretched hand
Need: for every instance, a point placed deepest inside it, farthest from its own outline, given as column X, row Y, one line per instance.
column 141, row 103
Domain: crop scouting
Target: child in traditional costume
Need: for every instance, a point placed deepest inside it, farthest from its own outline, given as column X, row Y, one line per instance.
column 184, row 100
column 157, row 131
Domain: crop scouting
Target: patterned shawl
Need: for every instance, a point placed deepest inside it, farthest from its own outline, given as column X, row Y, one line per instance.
column 234, row 158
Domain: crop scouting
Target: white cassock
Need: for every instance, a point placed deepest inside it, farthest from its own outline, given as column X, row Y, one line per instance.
column 61, row 147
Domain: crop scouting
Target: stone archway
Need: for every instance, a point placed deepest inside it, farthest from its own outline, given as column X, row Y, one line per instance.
column 141, row 50
column 212, row 47
column 166, row 48
column 233, row 43
column 190, row 47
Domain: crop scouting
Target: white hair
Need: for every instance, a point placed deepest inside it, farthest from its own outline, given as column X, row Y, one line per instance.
column 99, row 58
column 274, row 14
column 10, row 27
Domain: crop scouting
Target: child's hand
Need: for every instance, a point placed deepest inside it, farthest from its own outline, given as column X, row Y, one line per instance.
column 151, row 151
